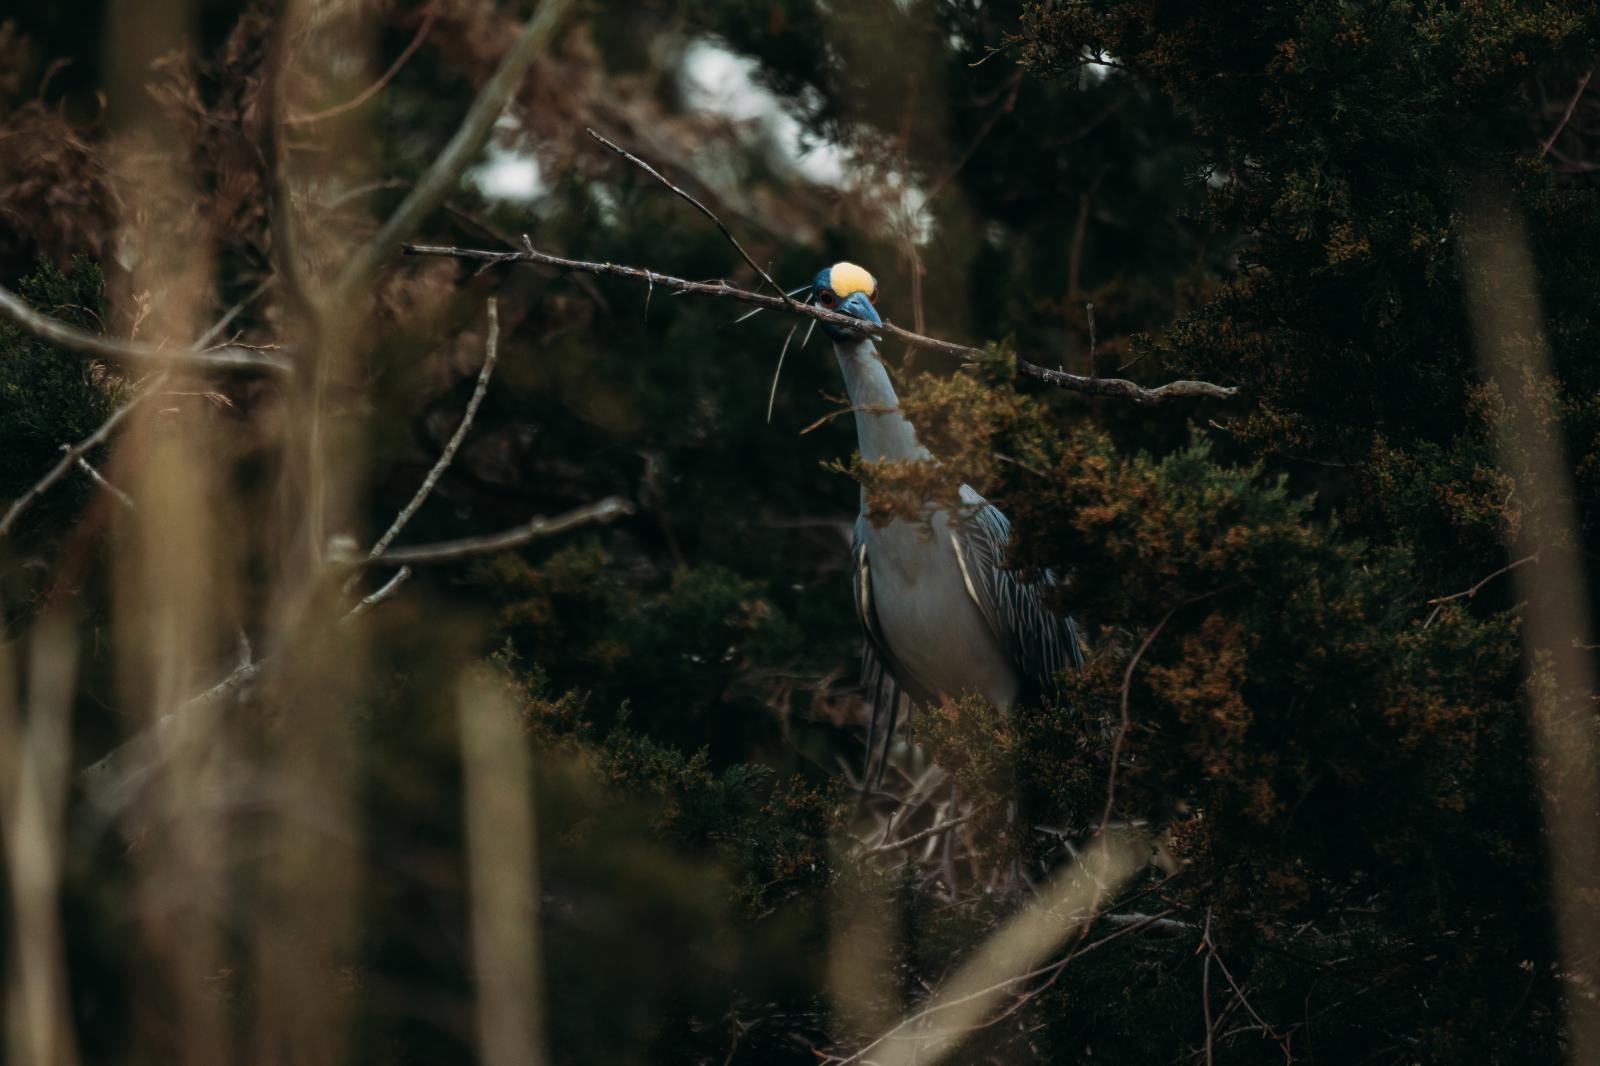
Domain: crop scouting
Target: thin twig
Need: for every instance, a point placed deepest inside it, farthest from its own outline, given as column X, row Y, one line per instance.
column 698, row 206
column 772, row 394
column 72, row 454
column 1117, row 387
column 377, row 86
column 1122, row 728
column 233, row 312
column 1572, row 105
column 441, row 177
column 450, row 550
column 233, row 358
column 1089, row 310
column 999, row 986
column 921, row 835
column 1127, row 682
column 370, row 601
column 490, row 355
column 99, row 479
column 1438, row 602
column 1205, row 990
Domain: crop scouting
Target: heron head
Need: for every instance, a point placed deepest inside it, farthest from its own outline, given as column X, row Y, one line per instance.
column 849, row 290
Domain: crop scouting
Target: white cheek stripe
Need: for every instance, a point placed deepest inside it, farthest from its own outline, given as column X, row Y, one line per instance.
column 966, row 577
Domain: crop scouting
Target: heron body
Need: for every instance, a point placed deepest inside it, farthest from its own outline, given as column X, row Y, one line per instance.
column 941, row 615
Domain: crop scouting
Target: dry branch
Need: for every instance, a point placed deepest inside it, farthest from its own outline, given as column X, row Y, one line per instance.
column 491, row 352
column 70, row 456
column 441, row 177
column 428, row 19
column 698, row 206
column 451, row 550
column 44, row 327
column 1118, row 387
column 1566, row 116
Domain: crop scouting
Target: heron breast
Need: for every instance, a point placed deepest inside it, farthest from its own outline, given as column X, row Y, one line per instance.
column 927, row 615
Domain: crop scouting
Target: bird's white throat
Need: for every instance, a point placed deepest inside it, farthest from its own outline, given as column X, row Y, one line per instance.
column 882, row 432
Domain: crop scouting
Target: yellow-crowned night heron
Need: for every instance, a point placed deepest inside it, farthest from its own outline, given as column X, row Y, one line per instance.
column 941, row 614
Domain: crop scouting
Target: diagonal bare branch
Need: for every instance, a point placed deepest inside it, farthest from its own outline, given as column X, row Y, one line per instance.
column 491, row 352
column 72, row 454
column 441, row 177
column 698, row 206
column 1117, row 387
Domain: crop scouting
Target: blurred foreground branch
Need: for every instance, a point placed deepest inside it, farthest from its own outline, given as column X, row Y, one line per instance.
column 232, row 358
column 443, row 175
column 114, row 780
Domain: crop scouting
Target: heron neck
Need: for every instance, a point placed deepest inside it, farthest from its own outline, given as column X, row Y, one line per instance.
column 882, row 432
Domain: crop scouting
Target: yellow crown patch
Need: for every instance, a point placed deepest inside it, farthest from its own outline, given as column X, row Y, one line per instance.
column 846, row 278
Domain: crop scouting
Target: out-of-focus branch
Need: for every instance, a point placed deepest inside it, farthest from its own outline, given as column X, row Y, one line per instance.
column 441, row 177
column 70, row 455
column 376, row 87
column 1566, row 116
column 1117, row 387
column 490, row 354
column 448, row 551
column 212, row 360
column 698, row 206
column 114, row 780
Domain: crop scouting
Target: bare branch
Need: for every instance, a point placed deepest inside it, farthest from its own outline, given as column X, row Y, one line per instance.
column 1438, row 602
column 100, row 479
column 918, row 837
column 698, row 206
column 441, row 177
column 1127, row 683
column 450, row 550
column 1122, row 727
column 1074, row 382
column 490, row 354
column 214, row 360
column 1572, row 105
column 72, row 454
column 389, row 588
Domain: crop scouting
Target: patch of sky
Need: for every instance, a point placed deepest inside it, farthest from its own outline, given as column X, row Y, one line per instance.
column 716, row 80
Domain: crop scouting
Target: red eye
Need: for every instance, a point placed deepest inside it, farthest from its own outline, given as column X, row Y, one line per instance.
column 826, row 298
column 873, row 298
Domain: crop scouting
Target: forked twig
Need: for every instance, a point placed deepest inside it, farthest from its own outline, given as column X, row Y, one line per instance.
column 698, row 206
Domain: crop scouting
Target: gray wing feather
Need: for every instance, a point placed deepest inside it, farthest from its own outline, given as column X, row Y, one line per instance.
column 1041, row 643
column 887, row 686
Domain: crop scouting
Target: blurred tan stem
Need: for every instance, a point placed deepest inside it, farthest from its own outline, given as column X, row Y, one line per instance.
column 1013, row 953
column 32, row 806
column 1504, row 308
column 497, row 776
